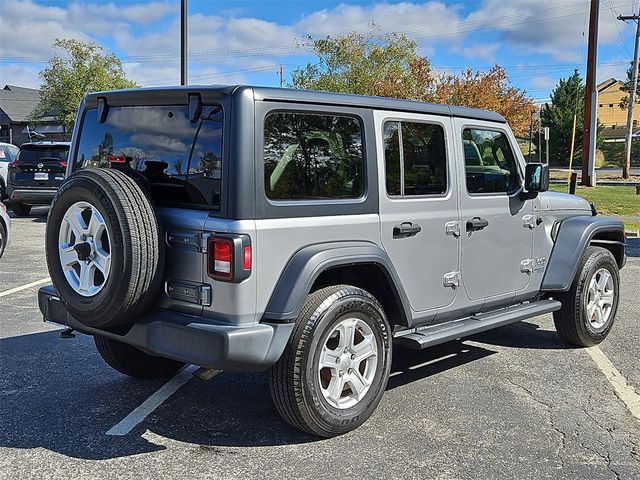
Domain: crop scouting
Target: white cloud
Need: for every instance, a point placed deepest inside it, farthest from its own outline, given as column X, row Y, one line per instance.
column 20, row 75
column 543, row 83
column 547, row 26
column 414, row 19
column 481, row 51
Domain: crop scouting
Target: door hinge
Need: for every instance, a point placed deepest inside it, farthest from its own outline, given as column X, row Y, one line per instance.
column 451, row 279
column 526, row 265
column 529, row 221
column 187, row 240
column 452, row 228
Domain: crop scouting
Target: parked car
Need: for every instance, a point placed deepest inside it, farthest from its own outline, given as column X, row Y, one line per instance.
column 35, row 175
column 8, row 154
column 5, row 229
column 246, row 228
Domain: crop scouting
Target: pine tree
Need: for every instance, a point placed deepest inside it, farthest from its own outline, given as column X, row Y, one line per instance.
column 558, row 116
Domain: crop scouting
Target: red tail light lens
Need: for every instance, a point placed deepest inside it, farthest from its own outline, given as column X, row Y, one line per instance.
column 246, row 260
column 229, row 257
column 63, row 164
column 222, row 258
column 15, row 163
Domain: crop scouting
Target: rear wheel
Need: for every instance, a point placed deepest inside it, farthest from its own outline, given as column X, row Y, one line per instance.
column 20, row 209
column 589, row 307
column 335, row 368
column 133, row 362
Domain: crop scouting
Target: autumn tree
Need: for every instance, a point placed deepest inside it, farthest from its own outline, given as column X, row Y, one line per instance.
column 489, row 90
column 83, row 67
column 386, row 65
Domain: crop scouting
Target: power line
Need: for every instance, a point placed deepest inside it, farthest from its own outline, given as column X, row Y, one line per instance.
column 275, row 50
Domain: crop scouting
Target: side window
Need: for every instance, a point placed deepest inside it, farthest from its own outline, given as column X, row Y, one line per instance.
column 415, row 159
column 489, row 162
column 309, row 156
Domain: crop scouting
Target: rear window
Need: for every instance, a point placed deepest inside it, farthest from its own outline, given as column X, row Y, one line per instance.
column 180, row 160
column 53, row 153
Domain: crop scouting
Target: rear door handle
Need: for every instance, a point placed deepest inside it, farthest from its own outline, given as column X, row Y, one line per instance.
column 476, row 223
column 406, row 229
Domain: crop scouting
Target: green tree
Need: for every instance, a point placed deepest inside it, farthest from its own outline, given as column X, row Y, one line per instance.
column 386, row 65
column 626, row 87
column 84, row 67
column 558, row 116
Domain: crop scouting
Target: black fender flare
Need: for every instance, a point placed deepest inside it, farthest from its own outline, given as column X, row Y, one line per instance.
column 574, row 236
column 308, row 263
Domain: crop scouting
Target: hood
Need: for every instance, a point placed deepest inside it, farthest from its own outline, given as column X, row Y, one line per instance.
column 554, row 201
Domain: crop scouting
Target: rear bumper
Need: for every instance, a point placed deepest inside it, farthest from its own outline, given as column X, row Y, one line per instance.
column 187, row 338
column 32, row 196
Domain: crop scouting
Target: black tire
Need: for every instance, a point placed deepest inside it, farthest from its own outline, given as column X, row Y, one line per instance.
column 295, row 381
column 20, row 209
column 571, row 321
column 137, row 248
column 3, row 238
column 133, row 362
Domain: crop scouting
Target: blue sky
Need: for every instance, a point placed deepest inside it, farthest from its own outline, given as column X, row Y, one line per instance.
column 537, row 41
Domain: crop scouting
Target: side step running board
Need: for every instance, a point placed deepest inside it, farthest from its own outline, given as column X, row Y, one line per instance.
column 436, row 334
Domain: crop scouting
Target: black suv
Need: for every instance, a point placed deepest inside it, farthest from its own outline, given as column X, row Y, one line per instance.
column 36, row 174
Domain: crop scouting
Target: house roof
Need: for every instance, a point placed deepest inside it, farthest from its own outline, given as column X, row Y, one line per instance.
column 19, row 102
column 607, row 84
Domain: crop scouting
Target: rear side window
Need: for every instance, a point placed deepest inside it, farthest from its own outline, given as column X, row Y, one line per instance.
column 32, row 153
column 311, row 156
column 415, row 159
column 180, row 160
column 489, row 162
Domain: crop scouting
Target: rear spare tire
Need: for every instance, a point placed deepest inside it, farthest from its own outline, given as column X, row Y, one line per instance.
column 104, row 248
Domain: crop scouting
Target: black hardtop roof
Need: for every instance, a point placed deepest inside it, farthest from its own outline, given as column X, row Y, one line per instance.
column 45, row 143
column 306, row 96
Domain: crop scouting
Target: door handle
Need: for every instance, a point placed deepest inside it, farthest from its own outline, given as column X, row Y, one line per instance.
column 406, row 229
column 476, row 223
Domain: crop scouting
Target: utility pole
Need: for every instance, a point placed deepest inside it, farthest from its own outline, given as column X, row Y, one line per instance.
column 281, row 73
column 591, row 101
column 626, row 166
column 184, row 58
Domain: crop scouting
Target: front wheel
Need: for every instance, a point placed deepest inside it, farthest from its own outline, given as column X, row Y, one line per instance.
column 335, row 368
column 589, row 307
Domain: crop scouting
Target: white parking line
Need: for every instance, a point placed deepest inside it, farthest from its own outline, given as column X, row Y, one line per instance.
column 624, row 391
column 24, row 287
column 141, row 412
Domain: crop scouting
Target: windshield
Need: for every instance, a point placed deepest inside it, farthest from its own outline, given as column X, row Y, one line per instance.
column 33, row 153
column 180, row 160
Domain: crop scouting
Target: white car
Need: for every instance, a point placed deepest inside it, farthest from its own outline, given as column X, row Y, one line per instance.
column 5, row 228
column 8, row 154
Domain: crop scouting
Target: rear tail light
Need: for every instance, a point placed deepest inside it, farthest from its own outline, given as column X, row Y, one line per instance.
column 229, row 257
column 15, row 163
column 63, row 164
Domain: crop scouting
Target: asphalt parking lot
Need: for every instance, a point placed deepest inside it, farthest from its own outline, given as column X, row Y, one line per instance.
column 512, row 403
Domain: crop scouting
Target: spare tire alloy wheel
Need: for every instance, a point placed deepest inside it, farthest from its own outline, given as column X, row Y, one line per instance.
column 105, row 249
column 84, row 246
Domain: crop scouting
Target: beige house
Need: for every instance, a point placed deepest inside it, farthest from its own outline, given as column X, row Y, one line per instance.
column 610, row 114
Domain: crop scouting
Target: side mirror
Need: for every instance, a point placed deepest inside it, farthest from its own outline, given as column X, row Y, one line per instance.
column 536, row 179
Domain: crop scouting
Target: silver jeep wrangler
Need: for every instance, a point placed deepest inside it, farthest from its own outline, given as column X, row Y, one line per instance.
column 243, row 228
